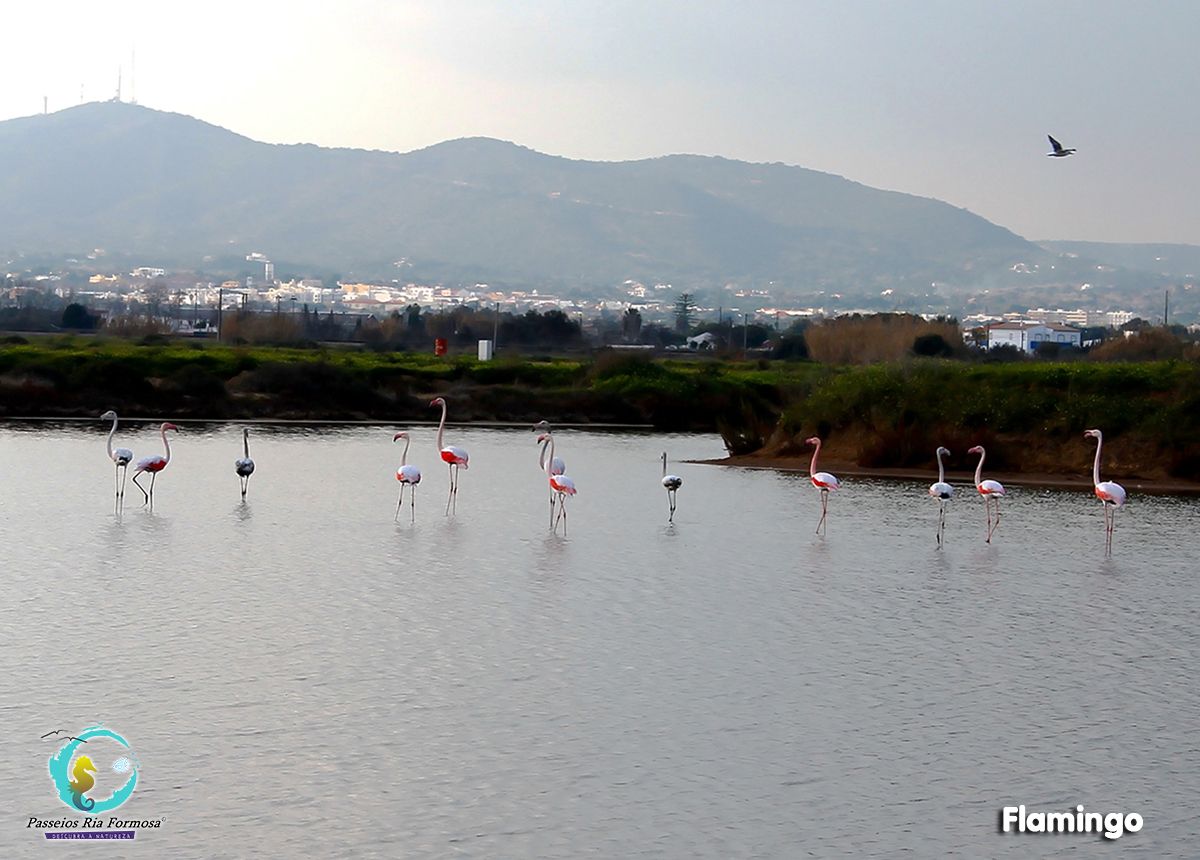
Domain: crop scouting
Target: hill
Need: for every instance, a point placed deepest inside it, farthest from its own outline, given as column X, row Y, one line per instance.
column 180, row 191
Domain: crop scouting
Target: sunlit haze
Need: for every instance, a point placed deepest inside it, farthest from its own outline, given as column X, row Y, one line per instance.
column 949, row 100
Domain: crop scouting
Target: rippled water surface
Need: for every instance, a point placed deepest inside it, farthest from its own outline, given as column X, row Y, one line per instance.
column 301, row 676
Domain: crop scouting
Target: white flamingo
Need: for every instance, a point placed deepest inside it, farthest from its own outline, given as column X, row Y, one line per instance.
column 943, row 492
column 121, row 457
column 823, row 481
column 990, row 490
column 409, row 476
column 560, row 484
column 672, row 483
column 154, row 465
column 245, row 466
column 557, row 466
column 1110, row 493
column 452, row 455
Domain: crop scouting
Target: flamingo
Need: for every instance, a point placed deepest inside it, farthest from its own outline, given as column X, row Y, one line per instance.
column 823, row 481
column 121, row 457
column 560, row 484
column 989, row 490
column 452, row 455
column 557, row 466
column 672, row 483
column 943, row 492
column 245, row 466
column 154, row 465
column 408, row 476
column 1110, row 493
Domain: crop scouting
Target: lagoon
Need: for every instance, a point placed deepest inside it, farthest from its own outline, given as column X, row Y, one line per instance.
column 301, row 676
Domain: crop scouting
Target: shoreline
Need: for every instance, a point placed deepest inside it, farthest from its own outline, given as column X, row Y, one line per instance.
column 1034, row 480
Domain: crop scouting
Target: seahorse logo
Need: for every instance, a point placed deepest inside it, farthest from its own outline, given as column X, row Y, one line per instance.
column 82, row 782
column 75, row 775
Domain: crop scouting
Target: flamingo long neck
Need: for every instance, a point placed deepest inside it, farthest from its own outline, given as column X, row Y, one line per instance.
column 404, row 456
column 246, row 443
column 441, row 426
column 166, row 444
column 812, row 467
column 111, row 433
column 1096, row 462
column 979, row 469
column 542, row 454
column 941, row 469
column 548, row 462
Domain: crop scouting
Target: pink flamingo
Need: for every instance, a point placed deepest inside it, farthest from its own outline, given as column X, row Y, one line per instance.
column 990, row 490
column 452, row 455
column 823, row 481
column 121, row 457
column 557, row 466
column 943, row 492
column 560, row 484
column 407, row 475
column 154, row 465
column 671, row 483
column 1110, row 493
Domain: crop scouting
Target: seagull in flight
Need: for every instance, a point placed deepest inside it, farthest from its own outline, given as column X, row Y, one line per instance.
column 1059, row 150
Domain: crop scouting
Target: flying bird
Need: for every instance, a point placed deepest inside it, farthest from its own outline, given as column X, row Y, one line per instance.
column 1059, row 150
column 245, row 466
column 55, row 732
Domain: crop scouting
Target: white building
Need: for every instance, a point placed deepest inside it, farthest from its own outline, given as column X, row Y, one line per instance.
column 1027, row 336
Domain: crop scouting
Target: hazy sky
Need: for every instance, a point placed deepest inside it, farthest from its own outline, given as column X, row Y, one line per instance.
column 951, row 99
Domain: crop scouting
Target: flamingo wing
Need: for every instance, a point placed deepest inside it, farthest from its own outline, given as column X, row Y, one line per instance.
column 1111, row 493
column 991, row 488
column 244, row 467
column 408, row 474
column 455, row 455
column 150, row 464
column 825, row 481
column 122, row 456
column 557, row 466
column 562, row 484
column 941, row 490
column 672, row 482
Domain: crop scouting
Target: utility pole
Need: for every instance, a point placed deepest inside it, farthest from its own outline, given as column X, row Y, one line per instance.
column 745, row 332
column 495, row 326
column 220, row 304
column 1166, row 306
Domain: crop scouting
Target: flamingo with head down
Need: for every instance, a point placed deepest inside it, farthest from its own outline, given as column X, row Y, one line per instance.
column 154, row 465
column 1110, row 493
column 451, row 455
column 992, row 491
column 823, row 481
column 409, row 476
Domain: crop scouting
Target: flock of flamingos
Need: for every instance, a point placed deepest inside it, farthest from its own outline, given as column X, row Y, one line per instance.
column 1111, row 494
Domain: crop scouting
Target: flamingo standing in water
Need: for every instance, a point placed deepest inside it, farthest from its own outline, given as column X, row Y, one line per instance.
column 989, row 490
column 245, row 466
column 409, row 476
column 154, row 465
column 943, row 492
column 452, row 455
column 672, row 483
column 121, row 457
column 1110, row 493
column 559, row 484
column 823, row 481
column 557, row 466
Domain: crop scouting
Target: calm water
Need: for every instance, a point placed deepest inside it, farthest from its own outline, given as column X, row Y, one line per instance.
column 301, row 676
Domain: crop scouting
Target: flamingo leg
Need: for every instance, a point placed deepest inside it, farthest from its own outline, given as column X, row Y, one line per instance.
column 562, row 507
column 124, row 474
column 140, row 487
column 941, row 522
column 150, row 498
column 671, row 502
column 987, row 507
column 450, row 495
column 399, row 502
column 995, row 521
column 412, row 503
column 824, row 510
column 551, row 509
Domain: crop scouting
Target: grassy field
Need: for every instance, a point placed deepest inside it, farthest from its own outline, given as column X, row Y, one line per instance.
column 1030, row 416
